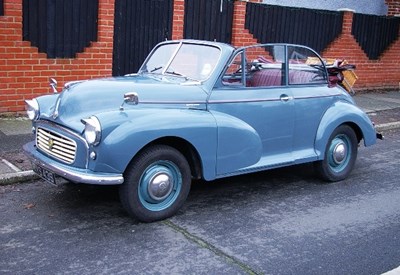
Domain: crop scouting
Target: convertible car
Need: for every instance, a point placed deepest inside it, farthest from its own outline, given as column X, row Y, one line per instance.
column 196, row 110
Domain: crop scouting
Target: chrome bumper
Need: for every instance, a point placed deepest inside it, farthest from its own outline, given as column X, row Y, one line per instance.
column 70, row 173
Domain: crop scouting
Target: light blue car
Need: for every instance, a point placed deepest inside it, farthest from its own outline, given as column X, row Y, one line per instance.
column 197, row 110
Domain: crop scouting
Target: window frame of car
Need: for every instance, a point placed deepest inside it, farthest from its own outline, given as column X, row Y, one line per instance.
column 168, row 64
column 285, row 64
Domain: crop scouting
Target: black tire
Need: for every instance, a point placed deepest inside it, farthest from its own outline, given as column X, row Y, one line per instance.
column 340, row 155
column 156, row 184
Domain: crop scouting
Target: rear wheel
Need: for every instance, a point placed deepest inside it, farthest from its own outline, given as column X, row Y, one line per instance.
column 340, row 155
column 156, row 184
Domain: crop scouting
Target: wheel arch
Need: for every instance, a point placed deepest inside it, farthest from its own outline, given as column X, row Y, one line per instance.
column 344, row 113
column 320, row 144
column 184, row 147
column 357, row 130
column 191, row 132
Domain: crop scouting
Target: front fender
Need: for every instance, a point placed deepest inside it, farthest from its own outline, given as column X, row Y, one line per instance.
column 142, row 127
column 342, row 112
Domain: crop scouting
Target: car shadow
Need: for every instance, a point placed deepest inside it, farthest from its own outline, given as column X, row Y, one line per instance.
column 82, row 200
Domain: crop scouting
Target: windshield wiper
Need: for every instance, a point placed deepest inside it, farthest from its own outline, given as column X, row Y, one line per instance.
column 175, row 73
column 181, row 75
column 156, row 69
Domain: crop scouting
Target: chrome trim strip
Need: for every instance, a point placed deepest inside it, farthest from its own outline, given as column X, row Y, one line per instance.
column 172, row 102
column 71, row 173
column 316, row 96
column 235, row 100
column 243, row 100
column 267, row 99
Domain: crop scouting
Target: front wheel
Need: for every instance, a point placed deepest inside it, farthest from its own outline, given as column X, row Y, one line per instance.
column 156, row 184
column 340, row 155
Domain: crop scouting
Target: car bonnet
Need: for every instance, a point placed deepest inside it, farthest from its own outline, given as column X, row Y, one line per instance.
column 92, row 97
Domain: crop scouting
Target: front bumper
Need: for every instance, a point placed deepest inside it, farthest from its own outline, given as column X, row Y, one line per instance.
column 70, row 173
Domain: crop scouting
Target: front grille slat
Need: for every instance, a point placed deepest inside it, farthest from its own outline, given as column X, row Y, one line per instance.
column 56, row 145
column 48, row 135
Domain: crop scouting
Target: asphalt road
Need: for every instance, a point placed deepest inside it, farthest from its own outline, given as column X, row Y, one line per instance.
column 278, row 222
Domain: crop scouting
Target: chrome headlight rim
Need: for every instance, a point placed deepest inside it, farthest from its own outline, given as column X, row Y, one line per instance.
column 92, row 132
column 32, row 109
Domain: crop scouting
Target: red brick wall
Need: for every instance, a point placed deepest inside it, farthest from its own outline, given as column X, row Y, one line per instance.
column 393, row 7
column 383, row 73
column 24, row 72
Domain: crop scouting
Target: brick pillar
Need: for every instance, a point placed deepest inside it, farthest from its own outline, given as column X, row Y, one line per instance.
column 178, row 19
column 393, row 7
column 240, row 35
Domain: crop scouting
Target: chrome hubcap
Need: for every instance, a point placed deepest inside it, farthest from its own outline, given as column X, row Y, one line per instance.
column 339, row 153
column 160, row 186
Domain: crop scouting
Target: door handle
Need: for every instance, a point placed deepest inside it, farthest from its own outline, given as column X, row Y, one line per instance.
column 285, row 97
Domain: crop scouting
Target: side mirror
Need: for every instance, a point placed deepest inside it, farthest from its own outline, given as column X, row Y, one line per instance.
column 130, row 98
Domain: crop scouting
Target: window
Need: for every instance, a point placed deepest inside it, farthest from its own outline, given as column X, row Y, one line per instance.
column 187, row 60
column 305, row 67
column 233, row 75
column 159, row 59
column 267, row 66
column 195, row 61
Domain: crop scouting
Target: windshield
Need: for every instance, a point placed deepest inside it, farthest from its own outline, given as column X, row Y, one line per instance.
column 191, row 61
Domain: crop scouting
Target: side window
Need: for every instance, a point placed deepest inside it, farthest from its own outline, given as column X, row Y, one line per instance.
column 233, row 75
column 305, row 67
column 267, row 66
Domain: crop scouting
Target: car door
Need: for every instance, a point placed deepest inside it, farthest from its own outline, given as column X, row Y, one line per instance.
column 308, row 82
column 254, row 93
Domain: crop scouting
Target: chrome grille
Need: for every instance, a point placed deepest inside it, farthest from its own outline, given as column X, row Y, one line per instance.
column 56, row 145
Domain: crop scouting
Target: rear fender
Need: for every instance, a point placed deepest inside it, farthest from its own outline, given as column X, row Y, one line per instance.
column 339, row 113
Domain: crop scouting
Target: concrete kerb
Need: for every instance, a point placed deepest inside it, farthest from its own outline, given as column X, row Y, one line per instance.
column 385, row 126
column 10, row 174
column 17, row 177
column 388, row 126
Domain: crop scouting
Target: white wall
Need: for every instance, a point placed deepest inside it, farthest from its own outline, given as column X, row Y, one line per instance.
column 377, row 7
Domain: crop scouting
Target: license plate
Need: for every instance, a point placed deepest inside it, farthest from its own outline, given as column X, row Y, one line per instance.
column 44, row 174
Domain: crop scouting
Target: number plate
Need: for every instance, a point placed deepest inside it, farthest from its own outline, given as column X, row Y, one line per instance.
column 44, row 174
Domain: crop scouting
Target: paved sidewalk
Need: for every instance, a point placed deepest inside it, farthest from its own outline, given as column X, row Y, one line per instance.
column 383, row 109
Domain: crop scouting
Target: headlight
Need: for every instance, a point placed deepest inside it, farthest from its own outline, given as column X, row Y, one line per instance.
column 32, row 109
column 92, row 130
